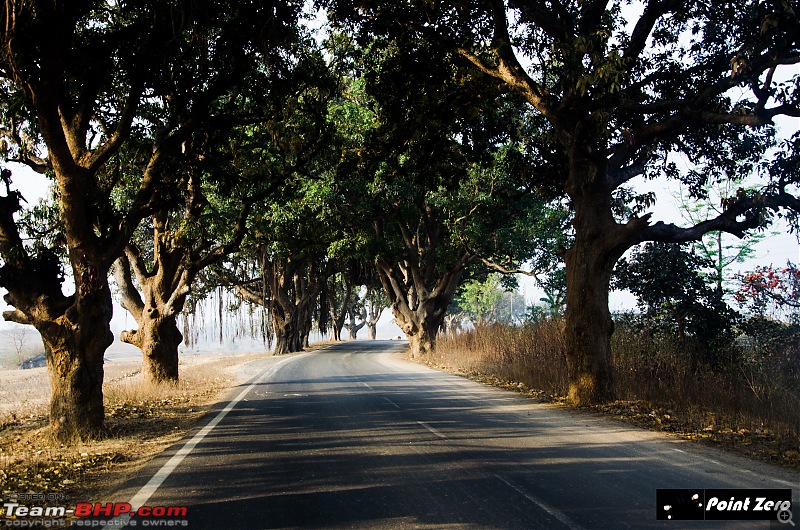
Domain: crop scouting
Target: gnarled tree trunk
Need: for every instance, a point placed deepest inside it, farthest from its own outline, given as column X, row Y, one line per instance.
column 74, row 346
column 75, row 329
column 156, row 308
column 353, row 329
column 159, row 338
column 417, row 308
column 421, row 330
column 599, row 243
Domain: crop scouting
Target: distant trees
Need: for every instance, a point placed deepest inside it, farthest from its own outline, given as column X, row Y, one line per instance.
column 217, row 184
column 438, row 178
column 488, row 301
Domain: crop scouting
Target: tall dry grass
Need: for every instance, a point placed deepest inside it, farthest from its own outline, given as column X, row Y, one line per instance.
column 532, row 354
column 750, row 390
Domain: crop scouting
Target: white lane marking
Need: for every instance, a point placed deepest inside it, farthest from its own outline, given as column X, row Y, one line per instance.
column 147, row 491
column 771, row 479
column 366, row 385
column 392, row 402
column 784, row 482
column 678, row 450
column 569, row 523
column 434, row 431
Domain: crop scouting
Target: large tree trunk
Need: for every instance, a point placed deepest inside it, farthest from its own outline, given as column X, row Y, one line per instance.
column 421, row 323
column 588, row 325
column 599, row 242
column 372, row 331
column 419, row 301
column 159, row 339
column 156, row 308
column 421, row 337
column 282, row 325
column 353, row 329
column 336, row 332
column 419, row 292
column 74, row 345
column 75, row 329
column 289, row 337
column 290, row 326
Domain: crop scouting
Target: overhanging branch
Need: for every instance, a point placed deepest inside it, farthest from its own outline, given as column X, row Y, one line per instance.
column 728, row 221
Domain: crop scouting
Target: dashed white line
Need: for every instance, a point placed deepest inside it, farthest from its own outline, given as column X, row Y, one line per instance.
column 392, row 402
column 366, row 385
column 432, row 430
column 566, row 521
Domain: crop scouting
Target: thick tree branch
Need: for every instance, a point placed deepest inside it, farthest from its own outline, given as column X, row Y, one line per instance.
column 101, row 155
column 16, row 316
column 728, row 221
column 653, row 11
column 248, row 295
column 131, row 299
column 504, row 270
column 620, row 176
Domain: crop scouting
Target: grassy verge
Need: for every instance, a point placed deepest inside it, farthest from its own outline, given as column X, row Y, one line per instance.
column 142, row 420
column 750, row 408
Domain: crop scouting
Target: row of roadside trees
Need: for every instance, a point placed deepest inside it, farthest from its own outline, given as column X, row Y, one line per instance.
column 197, row 145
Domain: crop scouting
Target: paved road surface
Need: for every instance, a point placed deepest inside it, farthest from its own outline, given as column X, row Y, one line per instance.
column 355, row 437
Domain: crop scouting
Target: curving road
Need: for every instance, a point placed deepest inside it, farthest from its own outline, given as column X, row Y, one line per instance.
column 355, row 437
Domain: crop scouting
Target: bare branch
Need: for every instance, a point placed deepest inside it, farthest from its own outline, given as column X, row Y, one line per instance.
column 503, row 270
column 131, row 299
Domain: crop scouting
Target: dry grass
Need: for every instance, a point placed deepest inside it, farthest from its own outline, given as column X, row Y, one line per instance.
column 141, row 419
column 749, row 407
column 532, row 356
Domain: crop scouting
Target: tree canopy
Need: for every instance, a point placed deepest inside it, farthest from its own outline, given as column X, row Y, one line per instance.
column 624, row 90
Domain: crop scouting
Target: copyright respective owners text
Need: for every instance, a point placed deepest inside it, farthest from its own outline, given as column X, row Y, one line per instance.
column 54, row 510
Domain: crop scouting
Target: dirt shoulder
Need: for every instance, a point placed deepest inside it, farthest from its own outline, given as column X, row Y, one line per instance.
column 142, row 420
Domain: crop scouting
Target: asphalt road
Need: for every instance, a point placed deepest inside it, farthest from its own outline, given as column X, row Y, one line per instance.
column 356, row 437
